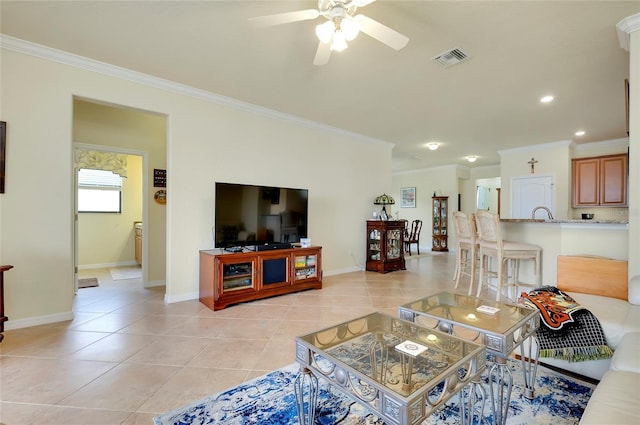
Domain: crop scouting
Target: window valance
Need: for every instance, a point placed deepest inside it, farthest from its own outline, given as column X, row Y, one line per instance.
column 101, row 160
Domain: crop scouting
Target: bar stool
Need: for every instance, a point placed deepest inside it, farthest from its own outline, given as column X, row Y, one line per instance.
column 467, row 248
column 507, row 254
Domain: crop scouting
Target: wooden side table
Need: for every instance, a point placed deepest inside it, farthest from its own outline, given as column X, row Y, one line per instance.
column 3, row 318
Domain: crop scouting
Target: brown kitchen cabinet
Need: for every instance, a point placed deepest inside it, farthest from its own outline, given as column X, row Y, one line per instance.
column 600, row 181
column 385, row 245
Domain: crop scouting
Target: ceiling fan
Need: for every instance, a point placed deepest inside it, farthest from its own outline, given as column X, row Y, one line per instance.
column 342, row 25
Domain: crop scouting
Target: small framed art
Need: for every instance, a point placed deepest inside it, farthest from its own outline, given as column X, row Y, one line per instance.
column 159, row 178
column 408, row 197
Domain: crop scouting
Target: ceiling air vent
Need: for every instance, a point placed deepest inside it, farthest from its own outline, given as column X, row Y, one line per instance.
column 451, row 57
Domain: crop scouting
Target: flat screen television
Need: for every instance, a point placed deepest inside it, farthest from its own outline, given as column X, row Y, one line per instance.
column 248, row 215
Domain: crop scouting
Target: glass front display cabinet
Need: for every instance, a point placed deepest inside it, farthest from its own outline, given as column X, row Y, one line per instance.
column 385, row 245
column 440, row 233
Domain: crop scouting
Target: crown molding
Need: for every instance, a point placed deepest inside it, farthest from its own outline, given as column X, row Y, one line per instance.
column 454, row 167
column 535, row 147
column 613, row 145
column 70, row 59
column 625, row 27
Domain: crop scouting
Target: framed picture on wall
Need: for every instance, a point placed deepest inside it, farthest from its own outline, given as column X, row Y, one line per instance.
column 408, row 197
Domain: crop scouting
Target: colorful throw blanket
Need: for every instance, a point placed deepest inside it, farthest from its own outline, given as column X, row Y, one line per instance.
column 568, row 331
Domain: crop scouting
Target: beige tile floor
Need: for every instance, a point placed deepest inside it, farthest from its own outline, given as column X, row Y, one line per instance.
column 127, row 356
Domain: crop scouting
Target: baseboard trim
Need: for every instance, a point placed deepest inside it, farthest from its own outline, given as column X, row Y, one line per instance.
column 107, row 265
column 341, row 271
column 38, row 320
column 154, row 283
column 182, row 297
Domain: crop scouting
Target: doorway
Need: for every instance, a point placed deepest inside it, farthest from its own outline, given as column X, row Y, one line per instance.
column 141, row 135
column 107, row 239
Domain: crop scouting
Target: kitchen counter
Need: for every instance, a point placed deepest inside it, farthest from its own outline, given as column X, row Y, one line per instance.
column 605, row 238
column 569, row 220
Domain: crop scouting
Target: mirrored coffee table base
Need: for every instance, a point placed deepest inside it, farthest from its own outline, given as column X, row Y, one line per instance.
column 501, row 327
column 398, row 370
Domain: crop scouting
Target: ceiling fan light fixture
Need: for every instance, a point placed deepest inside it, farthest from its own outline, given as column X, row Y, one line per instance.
column 325, row 31
column 350, row 28
column 339, row 42
column 342, row 26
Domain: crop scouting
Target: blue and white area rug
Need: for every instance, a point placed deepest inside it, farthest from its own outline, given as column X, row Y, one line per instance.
column 269, row 399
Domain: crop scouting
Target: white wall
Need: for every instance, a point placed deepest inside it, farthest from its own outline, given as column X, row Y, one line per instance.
column 554, row 160
column 443, row 181
column 634, row 154
column 208, row 140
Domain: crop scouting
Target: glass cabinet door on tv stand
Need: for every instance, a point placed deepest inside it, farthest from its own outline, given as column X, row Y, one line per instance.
column 440, row 223
column 236, row 276
column 385, row 245
column 306, row 265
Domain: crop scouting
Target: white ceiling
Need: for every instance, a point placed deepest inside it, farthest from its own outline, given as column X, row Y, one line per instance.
column 520, row 51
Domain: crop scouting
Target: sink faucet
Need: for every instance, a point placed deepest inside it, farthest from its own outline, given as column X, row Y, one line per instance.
column 533, row 213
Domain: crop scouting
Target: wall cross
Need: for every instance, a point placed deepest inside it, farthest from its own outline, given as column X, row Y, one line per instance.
column 533, row 163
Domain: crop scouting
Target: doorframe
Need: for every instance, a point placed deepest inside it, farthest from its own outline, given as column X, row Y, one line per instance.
column 145, row 205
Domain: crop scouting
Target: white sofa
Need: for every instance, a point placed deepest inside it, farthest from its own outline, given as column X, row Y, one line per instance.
column 600, row 285
column 616, row 399
column 617, row 318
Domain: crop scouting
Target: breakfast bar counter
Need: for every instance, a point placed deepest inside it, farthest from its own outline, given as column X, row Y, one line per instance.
column 605, row 238
column 566, row 221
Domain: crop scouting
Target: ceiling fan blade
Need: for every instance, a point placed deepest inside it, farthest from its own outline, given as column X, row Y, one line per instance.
column 382, row 33
column 285, row 18
column 322, row 54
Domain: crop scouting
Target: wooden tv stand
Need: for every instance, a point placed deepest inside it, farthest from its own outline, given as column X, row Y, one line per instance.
column 229, row 278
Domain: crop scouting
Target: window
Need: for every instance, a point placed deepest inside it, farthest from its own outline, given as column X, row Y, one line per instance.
column 99, row 191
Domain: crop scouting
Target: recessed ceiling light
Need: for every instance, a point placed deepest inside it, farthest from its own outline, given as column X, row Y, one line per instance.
column 546, row 99
column 580, row 133
column 472, row 158
column 433, row 146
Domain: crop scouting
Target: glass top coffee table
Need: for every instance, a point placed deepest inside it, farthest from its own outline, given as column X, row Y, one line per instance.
column 501, row 327
column 398, row 370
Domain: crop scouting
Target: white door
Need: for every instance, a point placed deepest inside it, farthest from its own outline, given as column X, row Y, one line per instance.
column 531, row 192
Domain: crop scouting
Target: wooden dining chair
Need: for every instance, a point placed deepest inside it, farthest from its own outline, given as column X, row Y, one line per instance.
column 413, row 237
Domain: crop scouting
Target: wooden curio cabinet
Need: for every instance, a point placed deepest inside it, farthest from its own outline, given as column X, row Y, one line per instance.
column 385, row 246
column 440, row 223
